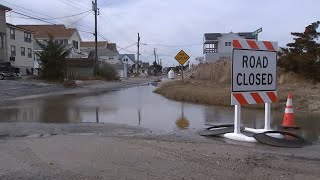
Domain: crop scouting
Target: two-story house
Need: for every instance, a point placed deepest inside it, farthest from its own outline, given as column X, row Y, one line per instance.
column 129, row 59
column 20, row 48
column 107, row 52
column 219, row 45
column 69, row 37
column 3, row 39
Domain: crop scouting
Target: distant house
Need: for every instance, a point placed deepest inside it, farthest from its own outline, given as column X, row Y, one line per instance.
column 69, row 37
column 20, row 48
column 199, row 60
column 107, row 52
column 143, row 68
column 129, row 59
column 3, row 39
column 219, row 45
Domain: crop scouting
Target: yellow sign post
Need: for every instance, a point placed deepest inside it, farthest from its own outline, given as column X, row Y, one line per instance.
column 182, row 57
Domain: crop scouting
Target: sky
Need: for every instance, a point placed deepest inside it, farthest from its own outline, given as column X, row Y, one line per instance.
column 171, row 25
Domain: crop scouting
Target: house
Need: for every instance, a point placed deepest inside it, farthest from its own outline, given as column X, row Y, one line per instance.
column 219, row 45
column 69, row 37
column 129, row 59
column 3, row 39
column 143, row 68
column 199, row 60
column 20, row 48
column 107, row 52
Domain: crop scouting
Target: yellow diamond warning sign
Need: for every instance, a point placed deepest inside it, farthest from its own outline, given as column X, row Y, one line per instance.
column 182, row 57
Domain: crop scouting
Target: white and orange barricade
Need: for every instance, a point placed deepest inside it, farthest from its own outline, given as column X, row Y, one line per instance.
column 254, row 81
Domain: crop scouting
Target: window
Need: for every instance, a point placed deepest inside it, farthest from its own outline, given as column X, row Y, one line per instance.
column 110, row 58
column 1, row 41
column 61, row 41
column 227, row 43
column 65, row 41
column 75, row 44
column 27, row 37
column 29, row 53
column 23, row 51
column 13, row 50
column 12, row 33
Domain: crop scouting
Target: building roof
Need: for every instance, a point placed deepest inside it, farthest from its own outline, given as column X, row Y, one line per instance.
column 215, row 36
column 43, row 31
column 212, row 36
column 5, row 7
column 131, row 56
column 101, row 44
column 247, row 35
column 86, row 44
column 19, row 28
column 103, row 52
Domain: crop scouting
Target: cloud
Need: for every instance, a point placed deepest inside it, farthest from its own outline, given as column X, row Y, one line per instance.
column 168, row 22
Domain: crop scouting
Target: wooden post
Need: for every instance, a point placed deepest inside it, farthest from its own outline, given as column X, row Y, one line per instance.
column 182, row 72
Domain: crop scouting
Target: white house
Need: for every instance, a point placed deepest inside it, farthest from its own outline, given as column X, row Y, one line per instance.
column 3, row 39
column 129, row 59
column 107, row 52
column 219, row 45
column 69, row 37
column 20, row 48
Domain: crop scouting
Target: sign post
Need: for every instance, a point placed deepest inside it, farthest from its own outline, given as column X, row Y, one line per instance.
column 182, row 57
column 254, row 81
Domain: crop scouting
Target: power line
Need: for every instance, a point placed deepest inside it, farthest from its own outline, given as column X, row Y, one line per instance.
column 53, row 18
column 33, row 17
column 160, row 45
column 26, row 9
column 81, row 4
column 79, row 19
column 63, row 17
column 106, row 20
column 70, row 4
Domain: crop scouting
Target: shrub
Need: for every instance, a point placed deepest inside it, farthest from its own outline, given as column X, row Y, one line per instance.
column 70, row 80
column 108, row 72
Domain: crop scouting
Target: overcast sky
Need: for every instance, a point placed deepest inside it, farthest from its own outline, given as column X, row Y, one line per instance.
column 172, row 22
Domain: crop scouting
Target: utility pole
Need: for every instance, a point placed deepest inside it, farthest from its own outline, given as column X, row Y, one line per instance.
column 158, row 59
column 96, row 63
column 155, row 55
column 138, row 55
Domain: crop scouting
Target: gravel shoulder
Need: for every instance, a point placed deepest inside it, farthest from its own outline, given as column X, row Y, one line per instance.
column 110, row 151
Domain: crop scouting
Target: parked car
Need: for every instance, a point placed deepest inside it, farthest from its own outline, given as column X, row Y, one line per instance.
column 8, row 71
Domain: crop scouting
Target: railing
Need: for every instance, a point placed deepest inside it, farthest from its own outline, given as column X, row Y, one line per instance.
column 211, row 50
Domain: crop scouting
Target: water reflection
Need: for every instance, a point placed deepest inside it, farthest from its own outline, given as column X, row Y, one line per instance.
column 139, row 106
column 182, row 122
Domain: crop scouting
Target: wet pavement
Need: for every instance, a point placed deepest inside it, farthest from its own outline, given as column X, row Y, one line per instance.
column 139, row 106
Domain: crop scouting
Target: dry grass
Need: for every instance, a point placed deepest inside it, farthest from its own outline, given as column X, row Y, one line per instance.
column 210, row 84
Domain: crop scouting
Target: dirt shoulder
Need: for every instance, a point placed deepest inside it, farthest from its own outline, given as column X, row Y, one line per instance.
column 306, row 96
column 107, row 157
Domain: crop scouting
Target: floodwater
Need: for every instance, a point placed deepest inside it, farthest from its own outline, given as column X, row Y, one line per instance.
column 139, row 106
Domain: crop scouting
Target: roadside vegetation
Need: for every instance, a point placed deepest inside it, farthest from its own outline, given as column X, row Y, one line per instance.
column 303, row 55
column 108, row 72
column 298, row 72
column 52, row 60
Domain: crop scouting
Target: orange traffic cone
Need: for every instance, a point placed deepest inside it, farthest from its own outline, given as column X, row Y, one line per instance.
column 288, row 118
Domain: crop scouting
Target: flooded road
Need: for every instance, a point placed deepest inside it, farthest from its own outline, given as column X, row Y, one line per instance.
column 139, row 106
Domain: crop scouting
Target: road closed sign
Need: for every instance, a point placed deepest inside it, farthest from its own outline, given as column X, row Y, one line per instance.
column 254, row 72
